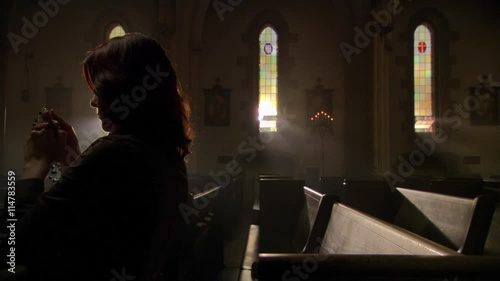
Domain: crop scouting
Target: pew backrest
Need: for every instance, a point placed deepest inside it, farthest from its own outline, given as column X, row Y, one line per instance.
column 313, row 199
column 204, row 203
column 459, row 223
column 196, row 248
column 492, row 245
column 284, row 224
column 369, row 195
column 463, row 187
column 352, row 232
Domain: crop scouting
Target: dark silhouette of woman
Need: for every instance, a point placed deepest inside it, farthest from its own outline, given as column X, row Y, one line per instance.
column 113, row 215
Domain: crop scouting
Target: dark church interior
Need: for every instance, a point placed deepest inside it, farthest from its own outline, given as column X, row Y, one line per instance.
column 292, row 140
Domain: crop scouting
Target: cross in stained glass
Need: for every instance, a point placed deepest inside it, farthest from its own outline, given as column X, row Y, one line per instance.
column 422, row 47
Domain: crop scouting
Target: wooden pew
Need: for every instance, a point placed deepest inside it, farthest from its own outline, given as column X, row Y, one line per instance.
column 203, row 248
column 274, row 176
column 343, row 231
column 462, row 187
column 417, row 182
column 352, row 232
column 256, row 205
column 198, row 183
column 315, row 267
column 492, row 183
column 283, row 217
column 492, row 245
column 332, row 185
column 371, row 195
column 229, row 200
column 468, row 187
column 459, row 223
column 313, row 201
column 228, row 207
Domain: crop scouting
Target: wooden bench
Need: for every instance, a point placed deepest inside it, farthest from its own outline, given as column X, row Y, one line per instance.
column 343, row 231
column 315, row 267
column 462, row 187
column 352, row 232
column 492, row 183
column 229, row 200
column 313, row 199
column 229, row 206
column 256, row 203
column 458, row 223
column 203, row 248
column 371, row 195
column 492, row 245
column 283, row 220
column 312, row 202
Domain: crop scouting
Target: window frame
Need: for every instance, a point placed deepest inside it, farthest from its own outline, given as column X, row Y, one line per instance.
column 111, row 27
column 434, row 79
column 263, row 27
column 251, row 64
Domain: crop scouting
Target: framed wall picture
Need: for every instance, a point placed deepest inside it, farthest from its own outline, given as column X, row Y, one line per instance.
column 217, row 106
column 485, row 104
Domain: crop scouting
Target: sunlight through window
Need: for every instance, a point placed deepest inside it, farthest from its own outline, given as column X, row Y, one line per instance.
column 268, row 80
column 116, row 31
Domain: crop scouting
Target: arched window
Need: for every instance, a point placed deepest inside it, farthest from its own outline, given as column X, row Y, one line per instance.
column 116, row 31
column 423, row 74
column 268, row 79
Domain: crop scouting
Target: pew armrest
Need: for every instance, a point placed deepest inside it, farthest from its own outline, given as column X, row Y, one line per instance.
column 279, row 266
column 246, row 275
column 252, row 247
column 255, row 212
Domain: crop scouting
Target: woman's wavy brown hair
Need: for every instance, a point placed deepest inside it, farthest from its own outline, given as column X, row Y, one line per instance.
column 134, row 77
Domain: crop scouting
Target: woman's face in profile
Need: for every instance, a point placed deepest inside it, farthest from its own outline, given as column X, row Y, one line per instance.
column 102, row 108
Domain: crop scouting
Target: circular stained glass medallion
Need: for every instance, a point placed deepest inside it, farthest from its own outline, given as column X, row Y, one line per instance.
column 268, row 48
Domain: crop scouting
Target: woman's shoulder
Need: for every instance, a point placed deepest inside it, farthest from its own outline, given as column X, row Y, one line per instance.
column 133, row 147
column 120, row 142
column 115, row 148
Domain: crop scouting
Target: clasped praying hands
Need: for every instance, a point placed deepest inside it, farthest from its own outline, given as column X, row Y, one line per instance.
column 51, row 139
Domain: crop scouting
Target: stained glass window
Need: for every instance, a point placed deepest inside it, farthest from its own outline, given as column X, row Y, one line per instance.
column 423, row 78
column 268, row 80
column 116, row 31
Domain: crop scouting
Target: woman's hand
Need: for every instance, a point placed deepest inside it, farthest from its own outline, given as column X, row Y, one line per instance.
column 72, row 148
column 45, row 145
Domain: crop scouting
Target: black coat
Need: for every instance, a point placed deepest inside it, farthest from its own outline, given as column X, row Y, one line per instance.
column 113, row 215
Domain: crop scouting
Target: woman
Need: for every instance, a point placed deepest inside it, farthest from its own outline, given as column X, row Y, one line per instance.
column 114, row 213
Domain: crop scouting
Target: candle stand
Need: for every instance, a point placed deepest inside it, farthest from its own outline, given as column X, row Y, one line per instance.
column 322, row 124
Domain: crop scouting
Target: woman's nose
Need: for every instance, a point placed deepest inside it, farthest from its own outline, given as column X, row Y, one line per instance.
column 93, row 101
